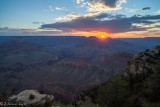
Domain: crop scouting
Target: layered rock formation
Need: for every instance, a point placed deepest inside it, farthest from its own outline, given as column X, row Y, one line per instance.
column 143, row 63
column 31, row 97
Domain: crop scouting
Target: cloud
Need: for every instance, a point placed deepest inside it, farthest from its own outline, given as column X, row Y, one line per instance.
column 72, row 16
column 94, row 7
column 104, row 5
column 79, row 1
column 5, row 31
column 38, row 23
column 3, row 28
column 158, row 12
column 145, row 8
column 50, row 8
column 131, row 10
column 61, row 9
column 134, row 10
column 106, row 23
column 68, row 17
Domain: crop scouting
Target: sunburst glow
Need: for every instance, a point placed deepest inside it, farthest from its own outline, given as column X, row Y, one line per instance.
column 102, row 35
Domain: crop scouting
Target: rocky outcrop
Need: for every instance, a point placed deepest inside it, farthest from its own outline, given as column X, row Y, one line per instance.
column 31, row 97
column 142, row 63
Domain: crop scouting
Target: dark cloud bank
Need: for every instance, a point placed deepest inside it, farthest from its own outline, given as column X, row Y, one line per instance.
column 145, row 8
column 106, row 23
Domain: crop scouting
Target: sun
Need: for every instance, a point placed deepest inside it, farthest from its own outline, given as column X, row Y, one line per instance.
column 102, row 35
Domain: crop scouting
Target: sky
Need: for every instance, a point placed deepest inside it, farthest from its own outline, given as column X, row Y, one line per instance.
column 114, row 18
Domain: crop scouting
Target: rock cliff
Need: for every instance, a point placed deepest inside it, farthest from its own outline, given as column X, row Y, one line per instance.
column 143, row 63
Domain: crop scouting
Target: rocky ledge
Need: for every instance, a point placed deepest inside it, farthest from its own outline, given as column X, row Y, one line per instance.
column 143, row 63
column 31, row 97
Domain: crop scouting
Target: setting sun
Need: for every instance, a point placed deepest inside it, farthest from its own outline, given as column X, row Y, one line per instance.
column 102, row 35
